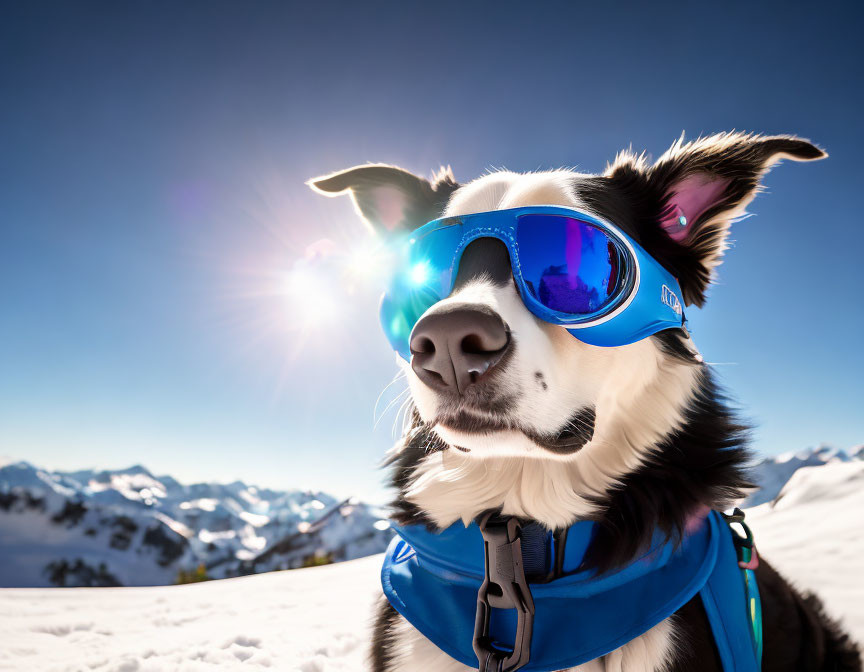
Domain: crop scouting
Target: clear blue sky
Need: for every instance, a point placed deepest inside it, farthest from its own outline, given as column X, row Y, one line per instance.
column 152, row 161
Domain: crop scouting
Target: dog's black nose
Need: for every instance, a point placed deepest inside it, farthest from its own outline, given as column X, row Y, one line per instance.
column 455, row 348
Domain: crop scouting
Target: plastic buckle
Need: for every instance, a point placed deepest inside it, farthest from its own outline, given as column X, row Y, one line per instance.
column 504, row 587
column 748, row 562
column 744, row 546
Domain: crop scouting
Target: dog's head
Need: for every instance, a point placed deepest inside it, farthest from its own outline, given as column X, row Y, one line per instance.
column 495, row 387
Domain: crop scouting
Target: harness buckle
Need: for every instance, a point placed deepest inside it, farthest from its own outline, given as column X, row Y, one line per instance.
column 748, row 562
column 504, row 587
column 744, row 546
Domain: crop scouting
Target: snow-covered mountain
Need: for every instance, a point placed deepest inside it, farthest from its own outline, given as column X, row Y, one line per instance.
column 129, row 527
column 317, row 619
column 772, row 473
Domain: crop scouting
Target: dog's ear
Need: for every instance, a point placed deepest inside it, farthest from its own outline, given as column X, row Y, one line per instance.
column 388, row 198
column 689, row 198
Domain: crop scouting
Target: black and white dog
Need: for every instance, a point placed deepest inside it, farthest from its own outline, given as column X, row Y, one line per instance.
column 635, row 438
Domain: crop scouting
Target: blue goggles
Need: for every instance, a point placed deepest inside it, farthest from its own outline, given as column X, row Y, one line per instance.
column 571, row 269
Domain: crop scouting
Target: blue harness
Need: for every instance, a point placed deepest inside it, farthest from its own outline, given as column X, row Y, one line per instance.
column 501, row 596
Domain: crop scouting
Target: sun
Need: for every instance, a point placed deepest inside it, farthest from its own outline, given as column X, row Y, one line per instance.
column 311, row 296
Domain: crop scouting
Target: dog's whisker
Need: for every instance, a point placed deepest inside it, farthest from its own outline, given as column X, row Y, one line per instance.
column 397, row 415
column 394, row 431
column 399, row 398
column 399, row 375
column 407, row 416
column 407, row 404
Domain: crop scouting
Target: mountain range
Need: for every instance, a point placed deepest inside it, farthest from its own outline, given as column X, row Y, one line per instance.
column 772, row 473
column 128, row 527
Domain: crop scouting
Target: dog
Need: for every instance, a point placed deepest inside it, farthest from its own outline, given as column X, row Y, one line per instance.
column 547, row 428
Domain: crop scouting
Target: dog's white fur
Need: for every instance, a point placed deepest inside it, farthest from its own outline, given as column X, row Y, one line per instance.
column 639, row 398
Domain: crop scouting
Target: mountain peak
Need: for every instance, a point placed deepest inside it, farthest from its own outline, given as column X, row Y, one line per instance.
column 134, row 470
column 121, row 518
column 772, row 473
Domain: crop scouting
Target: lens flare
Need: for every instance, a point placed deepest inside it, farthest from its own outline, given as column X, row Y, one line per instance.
column 366, row 264
column 419, row 273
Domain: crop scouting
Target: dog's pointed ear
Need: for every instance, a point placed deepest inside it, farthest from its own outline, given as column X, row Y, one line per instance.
column 689, row 198
column 390, row 199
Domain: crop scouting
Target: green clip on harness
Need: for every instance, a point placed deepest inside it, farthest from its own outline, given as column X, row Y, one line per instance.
column 748, row 561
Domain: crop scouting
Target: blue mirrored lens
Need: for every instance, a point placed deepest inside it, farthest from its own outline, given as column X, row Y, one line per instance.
column 567, row 265
column 422, row 278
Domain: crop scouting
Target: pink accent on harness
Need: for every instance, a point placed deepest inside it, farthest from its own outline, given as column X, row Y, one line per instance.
column 696, row 519
column 754, row 560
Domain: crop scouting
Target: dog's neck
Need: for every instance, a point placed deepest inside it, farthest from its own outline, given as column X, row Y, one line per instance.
column 669, row 452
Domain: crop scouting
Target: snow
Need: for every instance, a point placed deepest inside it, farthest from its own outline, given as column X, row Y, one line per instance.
column 317, row 619
column 308, row 620
column 814, row 534
column 772, row 473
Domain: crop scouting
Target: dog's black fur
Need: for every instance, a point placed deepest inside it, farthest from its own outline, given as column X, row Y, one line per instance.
column 703, row 464
column 700, row 465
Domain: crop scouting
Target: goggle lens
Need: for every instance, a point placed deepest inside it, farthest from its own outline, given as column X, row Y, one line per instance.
column 569, row 266
column 423, row 279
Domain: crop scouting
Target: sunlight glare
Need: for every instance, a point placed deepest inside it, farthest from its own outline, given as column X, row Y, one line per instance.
column 419, row 273
column 310, row 296
column 367, row 264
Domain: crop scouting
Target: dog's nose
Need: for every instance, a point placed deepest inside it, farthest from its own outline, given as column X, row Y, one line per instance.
column 454, row 349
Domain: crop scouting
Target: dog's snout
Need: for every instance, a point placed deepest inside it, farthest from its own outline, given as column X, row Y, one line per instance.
column 454, row 349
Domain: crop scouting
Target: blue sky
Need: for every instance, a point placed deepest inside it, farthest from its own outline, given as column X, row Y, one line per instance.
column 152, row 198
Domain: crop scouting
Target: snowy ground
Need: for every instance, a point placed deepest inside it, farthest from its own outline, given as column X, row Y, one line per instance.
column 308, row 620
column 316, row 620
column 814, row 535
